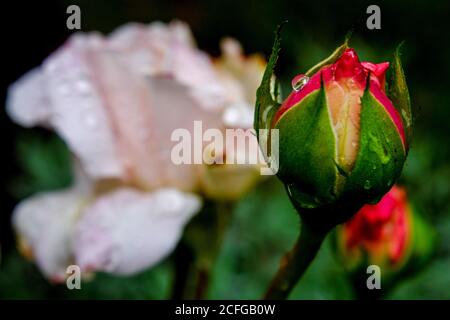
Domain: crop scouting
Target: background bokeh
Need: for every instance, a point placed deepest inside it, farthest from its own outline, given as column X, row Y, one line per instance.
column 265, row 224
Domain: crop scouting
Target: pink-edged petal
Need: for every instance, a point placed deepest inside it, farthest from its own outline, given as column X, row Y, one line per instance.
column 44, row 224
column 78, row 112
column 378, row 72
column 127, row 231
column 27, row 101
column 233, row 170
column 116, row 101
column 169, row 50
column 172, row 100
column 240, row 74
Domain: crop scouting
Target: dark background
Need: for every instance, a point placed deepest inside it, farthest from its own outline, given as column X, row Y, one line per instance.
column 36, row 160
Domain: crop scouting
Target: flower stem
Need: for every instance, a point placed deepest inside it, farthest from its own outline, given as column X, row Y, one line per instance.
column 222, row 212
column 294, row 263
column 199, row 248
column 184, row 260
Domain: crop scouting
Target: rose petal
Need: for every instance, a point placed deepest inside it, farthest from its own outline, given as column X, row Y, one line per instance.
column 44, row 223
column 241, row 75
column 127, row 231
column 79, row 105
column 27, row 102
column 116, row 101
column 168, row 50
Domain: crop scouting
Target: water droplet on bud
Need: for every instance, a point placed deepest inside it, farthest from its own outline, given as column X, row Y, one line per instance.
column 299, row 82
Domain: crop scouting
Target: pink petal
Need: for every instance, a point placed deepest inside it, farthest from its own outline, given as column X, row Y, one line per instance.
column 44, row 223
column 127, row 231
column 28, row 102
column 77, row 103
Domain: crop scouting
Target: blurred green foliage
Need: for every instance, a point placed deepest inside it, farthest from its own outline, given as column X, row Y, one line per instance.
column 265, row 225
column 44, row 161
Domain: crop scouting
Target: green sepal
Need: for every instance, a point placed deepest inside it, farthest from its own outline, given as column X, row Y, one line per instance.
column 332, row 58
column 267, row 94
column 307, row 152
column 399, row 95
column 381, row 156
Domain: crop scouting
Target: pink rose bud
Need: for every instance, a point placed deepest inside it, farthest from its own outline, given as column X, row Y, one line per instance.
column 343, row 136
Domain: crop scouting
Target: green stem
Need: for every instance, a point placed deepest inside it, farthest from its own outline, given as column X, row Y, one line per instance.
column 184, row 260
column 199, row 248
column 294, row 264
column 206, row 259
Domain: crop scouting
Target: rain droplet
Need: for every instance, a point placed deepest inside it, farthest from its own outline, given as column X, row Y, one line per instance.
column 385, row 158
column 367, row 184
column 299, row 82
column 90, row 120
column 83, row 86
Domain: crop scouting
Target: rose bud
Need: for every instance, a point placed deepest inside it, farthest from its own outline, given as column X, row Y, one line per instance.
column 343, row 140
column 343, row 136
column 390, row 234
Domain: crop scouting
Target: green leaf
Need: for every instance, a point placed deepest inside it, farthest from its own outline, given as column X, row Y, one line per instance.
column 399, row 94
column 45, row 164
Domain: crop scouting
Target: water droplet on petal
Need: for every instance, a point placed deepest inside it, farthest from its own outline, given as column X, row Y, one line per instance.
column 90, row 120
column 83, row 86
column 299, row 82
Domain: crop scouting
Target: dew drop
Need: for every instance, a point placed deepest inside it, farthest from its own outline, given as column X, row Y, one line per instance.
column 354, row 144
column 90, row 120
column 385, row 158
column 299, row 82
column 83, row 86
column 367, row 184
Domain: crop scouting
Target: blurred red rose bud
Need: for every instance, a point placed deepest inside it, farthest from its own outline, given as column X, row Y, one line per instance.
column 389, row 234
